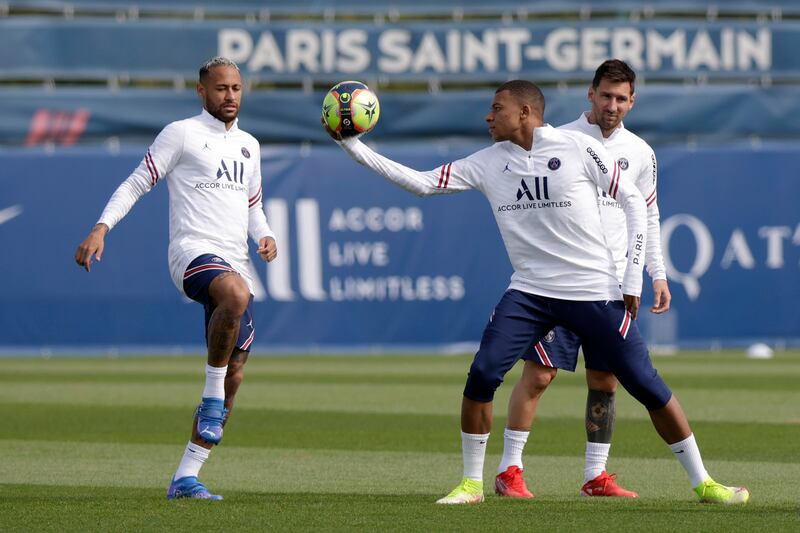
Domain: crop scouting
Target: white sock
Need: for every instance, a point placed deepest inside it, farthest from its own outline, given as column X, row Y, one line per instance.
column 688, row 454
column 193, row 458
column 473, row 450
column 513, row 444
column 596, row 459
column 215, row 382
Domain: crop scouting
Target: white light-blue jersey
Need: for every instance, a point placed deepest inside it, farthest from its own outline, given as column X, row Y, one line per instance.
column 215, row 198
column 545, row 204
column 637, row 164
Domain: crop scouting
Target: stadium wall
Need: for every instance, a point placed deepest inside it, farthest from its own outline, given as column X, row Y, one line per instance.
column 364, row 265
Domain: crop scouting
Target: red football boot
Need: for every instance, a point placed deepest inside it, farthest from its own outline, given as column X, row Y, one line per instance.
column 606, row 485
column 511, row 483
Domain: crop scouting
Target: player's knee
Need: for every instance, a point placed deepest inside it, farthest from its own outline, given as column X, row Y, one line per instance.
column 231, row 293
column 536, row 378
column 482, row 381
column 649, row 390
column 601, row 381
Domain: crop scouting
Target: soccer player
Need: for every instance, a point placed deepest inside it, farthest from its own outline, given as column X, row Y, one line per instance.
column 611, row 96
column 213, row 173
column 541, row 184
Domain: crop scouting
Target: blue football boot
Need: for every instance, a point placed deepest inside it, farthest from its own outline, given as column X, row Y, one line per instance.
column 211, row 415
column 189, row 487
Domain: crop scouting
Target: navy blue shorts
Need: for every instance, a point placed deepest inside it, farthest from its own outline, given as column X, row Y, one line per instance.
column 196, row 280
column 559, row 349
column 521, row 320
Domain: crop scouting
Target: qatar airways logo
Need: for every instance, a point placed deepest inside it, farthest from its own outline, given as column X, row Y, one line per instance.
column 741, row 251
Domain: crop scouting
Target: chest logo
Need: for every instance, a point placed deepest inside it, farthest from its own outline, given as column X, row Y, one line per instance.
column 554, row 163
column 539, row 189
column 507, row 169
column 245, row 152
column 623, row 163
column 232, row 170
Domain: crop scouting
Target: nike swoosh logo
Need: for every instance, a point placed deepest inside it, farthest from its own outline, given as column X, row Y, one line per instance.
column 680, row 451
column 10, row 212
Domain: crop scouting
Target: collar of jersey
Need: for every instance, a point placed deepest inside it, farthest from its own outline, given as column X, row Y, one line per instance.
column 594, row 129
column 215, row 123
column 539, row 134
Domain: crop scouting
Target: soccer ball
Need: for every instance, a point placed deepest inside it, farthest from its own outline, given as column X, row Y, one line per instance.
column 350, row 108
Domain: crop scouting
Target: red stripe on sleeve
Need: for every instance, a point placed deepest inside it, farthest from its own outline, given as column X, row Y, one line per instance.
column 155, row 168
column 441, row 178
column 255, row 198
column 153, row 177
column 614, row 182
column 447, row 180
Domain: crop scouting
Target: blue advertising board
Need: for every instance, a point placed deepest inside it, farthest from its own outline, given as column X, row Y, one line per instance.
column 364, row 264
column 483, row 50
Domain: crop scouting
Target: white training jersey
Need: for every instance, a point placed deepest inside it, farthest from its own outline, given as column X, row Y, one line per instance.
column 214, row 181
column 637, row 164
column 545, row 204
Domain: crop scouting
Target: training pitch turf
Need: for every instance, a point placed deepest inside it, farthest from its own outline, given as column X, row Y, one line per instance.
column 369, row 443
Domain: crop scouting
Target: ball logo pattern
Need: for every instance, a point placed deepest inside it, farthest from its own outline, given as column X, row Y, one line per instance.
column 350, row 108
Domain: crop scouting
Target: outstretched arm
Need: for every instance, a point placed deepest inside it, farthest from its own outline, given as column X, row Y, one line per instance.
column 452, row 177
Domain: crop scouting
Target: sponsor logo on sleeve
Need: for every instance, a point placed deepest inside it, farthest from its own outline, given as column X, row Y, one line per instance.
column 597, row 160
column 653, row 159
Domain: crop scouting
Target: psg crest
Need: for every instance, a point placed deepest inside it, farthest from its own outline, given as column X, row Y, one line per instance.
column 623, row 163
column 245, row 152
column 554, row 163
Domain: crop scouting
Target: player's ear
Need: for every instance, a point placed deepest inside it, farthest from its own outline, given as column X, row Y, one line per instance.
column 590, row 94
column 200, row 90
column 633, row 99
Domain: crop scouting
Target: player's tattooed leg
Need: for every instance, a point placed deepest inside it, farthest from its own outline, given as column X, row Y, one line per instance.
column 601, row 411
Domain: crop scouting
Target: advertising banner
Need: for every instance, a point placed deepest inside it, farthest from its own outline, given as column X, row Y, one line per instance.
column 364, row 264
column 468, row 51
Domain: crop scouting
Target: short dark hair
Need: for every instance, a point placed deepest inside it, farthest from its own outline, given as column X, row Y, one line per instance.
column 526, row 92
column 614, row 70
column 217, row 61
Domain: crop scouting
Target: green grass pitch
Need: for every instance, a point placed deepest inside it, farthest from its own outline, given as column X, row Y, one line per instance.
column 343, row 443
